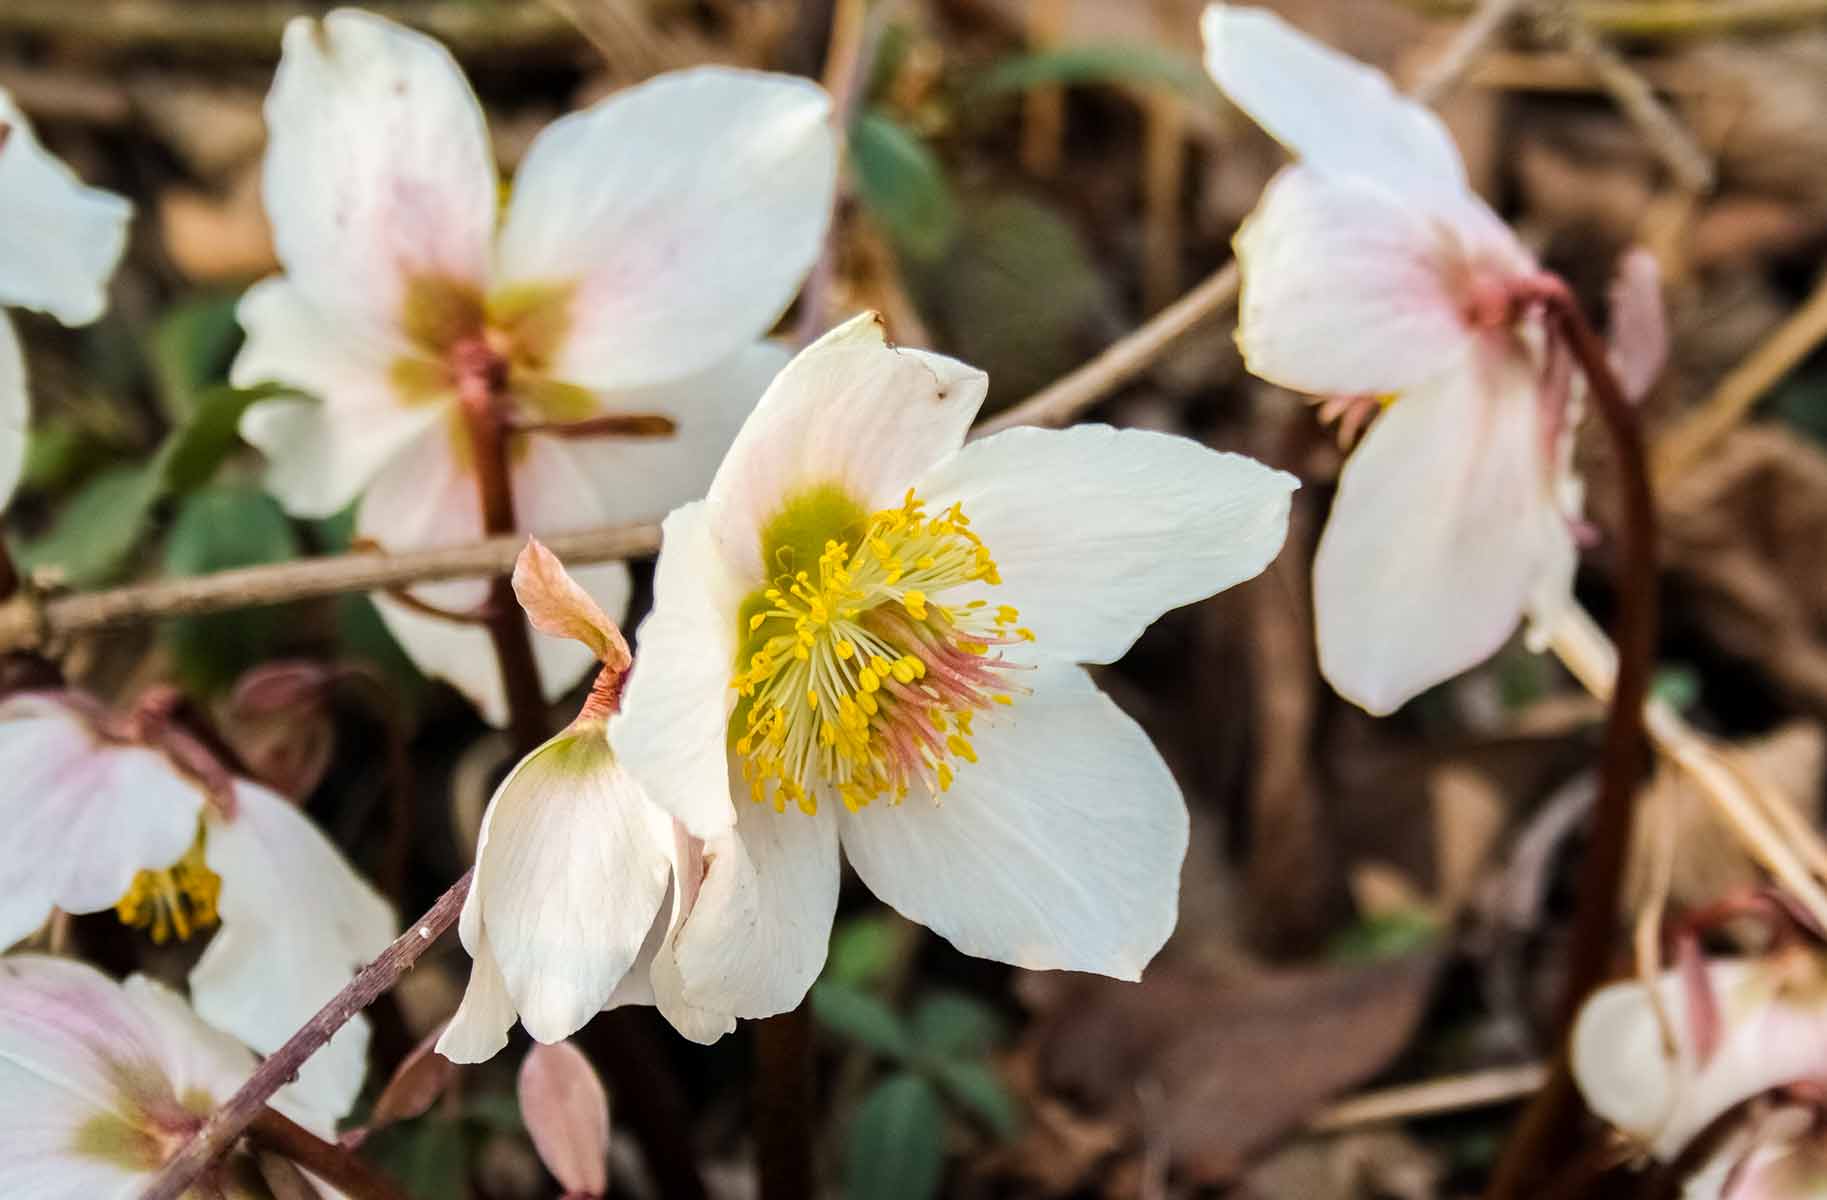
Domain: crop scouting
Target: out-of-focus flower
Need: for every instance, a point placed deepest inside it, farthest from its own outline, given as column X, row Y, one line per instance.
column 104, row 1082
column 1739, row 1027
column 59, row 243
column 101, row 822
column 651, row 240
column 1782, row 1156
column 567, row 1115
column 875, row 632
column 1370, row 268
column 570, row 912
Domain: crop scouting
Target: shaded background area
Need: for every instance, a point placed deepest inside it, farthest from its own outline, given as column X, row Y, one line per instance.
column 1365, row 902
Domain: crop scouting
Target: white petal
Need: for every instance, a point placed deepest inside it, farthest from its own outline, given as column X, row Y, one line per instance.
column 1442, row 531
column 1060, row 848
column 569, row 880
column 1097, row 531
column 297, row 923
column 1328, row 109
column 849, row 410
column 59, row 240
column 82, row 818
column 665, row 984
column 479, row 1030
column 756, row 939
column 687, row 209
column 423, row 499
column 378, row 168
column 672, row 731
column 15, row 411
column 324, row 447
column 1347, row 289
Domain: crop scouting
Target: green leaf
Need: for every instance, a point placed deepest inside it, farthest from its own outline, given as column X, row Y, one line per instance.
column 1391, row 935
column 977, row 1088
column 955, row 1025
column 1676, row 685
column 429, row 1157
column 1119, row 63
column 863, row 949
column 854, row 1014
column 190, row 349
column 902, row 184
column 93, row 534
column 195, row 449
column 896, row 1147
column 215, row 529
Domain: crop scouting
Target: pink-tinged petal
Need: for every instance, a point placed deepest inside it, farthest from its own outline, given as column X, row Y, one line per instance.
column 671, row 730
column 567, row 1116
column 1059, row 848
column 83, row 817
column 557, row 606
column 852, row 411
column 1166, row 521
column 59, row 240
column 1444, row 532
column 1328, row 109
column 685, row 211
column 479, row 1030
column 756, row 939
column 15, row 411
column 324, row 446
column 297, row 923
column 378, row 169
column 570, row 875
column 1346, row 289
column 1639, row 323
column 1775, row 1023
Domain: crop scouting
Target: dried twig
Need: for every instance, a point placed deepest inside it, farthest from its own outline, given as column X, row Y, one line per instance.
column 1455, row 1093
column 1673, row 18
column 1691, row 166
column 336, row 1165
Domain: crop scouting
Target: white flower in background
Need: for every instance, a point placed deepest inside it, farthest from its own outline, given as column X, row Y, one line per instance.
column 1758, row 1024
column 651, row 240
column 570, row 911
column 59, row 243
column 104, row 1082
column 1783, row 1156
column 98, row 822
column 1370, row 268
column 871, row 634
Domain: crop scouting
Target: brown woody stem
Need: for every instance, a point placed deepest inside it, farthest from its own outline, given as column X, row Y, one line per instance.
column 336, row 1165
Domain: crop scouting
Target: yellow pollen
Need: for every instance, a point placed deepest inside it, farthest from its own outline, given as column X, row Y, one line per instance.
column 179, row 899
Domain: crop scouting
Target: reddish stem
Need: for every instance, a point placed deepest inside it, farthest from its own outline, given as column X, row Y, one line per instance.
column 335, row 1165
column 782, row 1092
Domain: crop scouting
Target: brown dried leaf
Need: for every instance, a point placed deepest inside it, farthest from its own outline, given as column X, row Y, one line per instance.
column 567, row 1116
column 416, row 1085
column 558, row 607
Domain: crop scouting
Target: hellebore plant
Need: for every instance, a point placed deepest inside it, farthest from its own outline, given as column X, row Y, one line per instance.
column 870, row 634
column 650, row 242
column 1373, row 276
column 59, row 243
column 134, row 816
column 570, row 912
column 104, row 1082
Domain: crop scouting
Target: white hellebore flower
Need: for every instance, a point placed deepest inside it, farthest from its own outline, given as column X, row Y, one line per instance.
column 104, row 1082
column 59, row 243
column 651, row 241
column 570, row 911
column 869, row 633
column 101, row 822
column 1371, row 269
column 1758, row 1024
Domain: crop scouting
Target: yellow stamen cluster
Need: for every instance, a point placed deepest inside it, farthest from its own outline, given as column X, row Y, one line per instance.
column 180, row 899
column 860, row 681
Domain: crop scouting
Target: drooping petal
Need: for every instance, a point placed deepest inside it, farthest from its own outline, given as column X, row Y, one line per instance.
column 672, row 729
column 1328, row 109
column 479, row 1030
column 654, row 978
column 1442, row 534
column 425, row 498
column 1097, row 531
column 849, row 410
column 15, row 411
column 756, row 939
column 297, row 923
column 567, row 1115
column 557, row 606
column 1060, row 848
column 1346, row 289
column 378, row 169
column 83, row 817
column 569, row 877
column 59, row 239
column 323, row 447
column 685, row 211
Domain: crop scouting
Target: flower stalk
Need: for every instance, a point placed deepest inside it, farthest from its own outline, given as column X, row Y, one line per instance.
column 336, row 1165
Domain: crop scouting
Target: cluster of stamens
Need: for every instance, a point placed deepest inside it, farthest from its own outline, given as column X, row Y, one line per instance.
column 864, row 683
column 179, row 899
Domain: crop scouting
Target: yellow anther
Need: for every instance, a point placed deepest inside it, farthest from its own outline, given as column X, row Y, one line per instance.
column 179, row 899
column 902, row 671
column 869, row 679
column 846, row 649
column 945, row 777
column 914, row 601
column 961, row 748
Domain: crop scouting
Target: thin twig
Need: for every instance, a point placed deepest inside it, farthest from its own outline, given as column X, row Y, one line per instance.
column 336, row 1165
column 1455, row 1093
column 227, row 1123
column 1479, row 31
column 1673, row 18
column 1691, row 166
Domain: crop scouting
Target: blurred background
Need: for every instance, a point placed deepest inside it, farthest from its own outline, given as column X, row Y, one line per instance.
column 1366, row 903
